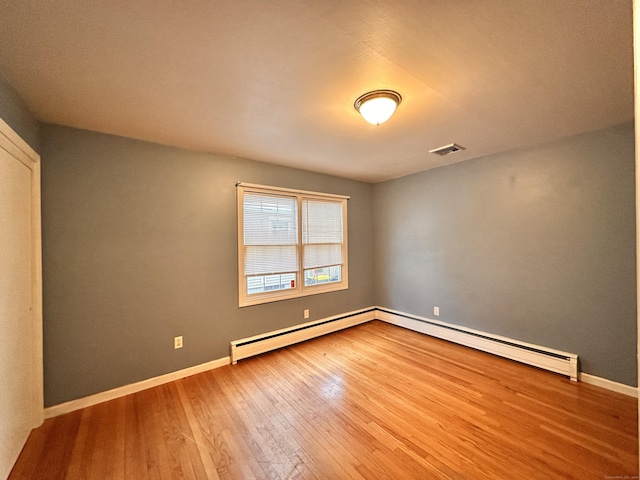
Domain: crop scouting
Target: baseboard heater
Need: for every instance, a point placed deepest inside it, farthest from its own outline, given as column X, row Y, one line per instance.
column 535, row 355
column 248, row 347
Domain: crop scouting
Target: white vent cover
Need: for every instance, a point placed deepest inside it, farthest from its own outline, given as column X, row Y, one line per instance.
column 447, row 149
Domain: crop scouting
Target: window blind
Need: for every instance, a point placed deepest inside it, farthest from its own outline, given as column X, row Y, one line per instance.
column 270, row 234
column 322, row 234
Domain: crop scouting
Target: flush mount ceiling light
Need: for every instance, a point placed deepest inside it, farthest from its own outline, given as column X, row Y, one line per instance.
column 377, row 107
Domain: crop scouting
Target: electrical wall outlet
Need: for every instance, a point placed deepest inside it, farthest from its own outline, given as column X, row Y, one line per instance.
column 177, row 342
column 306, row 313
column 436, row 311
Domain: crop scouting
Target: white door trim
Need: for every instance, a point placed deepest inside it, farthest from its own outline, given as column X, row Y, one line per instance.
column 19, row 149
column 636, row 66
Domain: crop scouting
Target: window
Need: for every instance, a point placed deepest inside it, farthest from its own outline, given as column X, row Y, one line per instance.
column 291, row 243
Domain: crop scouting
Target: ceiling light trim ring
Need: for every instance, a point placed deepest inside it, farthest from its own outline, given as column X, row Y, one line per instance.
column 378, row 106
column 393, row 95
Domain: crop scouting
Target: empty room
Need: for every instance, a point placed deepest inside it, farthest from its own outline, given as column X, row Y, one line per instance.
column 324, row 240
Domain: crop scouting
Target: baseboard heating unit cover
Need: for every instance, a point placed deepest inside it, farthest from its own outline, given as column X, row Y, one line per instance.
column 247, row 347
column 535, row 355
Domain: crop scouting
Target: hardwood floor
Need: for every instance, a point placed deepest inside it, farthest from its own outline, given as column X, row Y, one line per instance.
column 373, row 402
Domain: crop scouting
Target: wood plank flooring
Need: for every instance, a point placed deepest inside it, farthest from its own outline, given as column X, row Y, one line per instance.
column 372, row 402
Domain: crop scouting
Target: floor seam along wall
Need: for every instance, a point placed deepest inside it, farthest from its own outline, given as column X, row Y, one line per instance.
column 542, row 357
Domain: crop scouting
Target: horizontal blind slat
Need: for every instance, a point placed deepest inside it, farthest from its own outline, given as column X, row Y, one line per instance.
column 270, row 220
column 271, row 259
column 321, row 255
column 321, row 221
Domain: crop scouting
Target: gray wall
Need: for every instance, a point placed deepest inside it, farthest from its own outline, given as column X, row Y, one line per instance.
column 15, row 112
column 535, row 244
column 140, row 245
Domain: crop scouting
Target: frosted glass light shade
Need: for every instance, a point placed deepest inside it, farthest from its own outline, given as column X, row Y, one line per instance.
column 377, row 107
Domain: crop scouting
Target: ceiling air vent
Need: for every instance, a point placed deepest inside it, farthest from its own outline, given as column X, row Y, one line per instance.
column 447, row 149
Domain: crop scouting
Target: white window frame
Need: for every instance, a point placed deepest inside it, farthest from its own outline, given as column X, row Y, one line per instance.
column 300, row 289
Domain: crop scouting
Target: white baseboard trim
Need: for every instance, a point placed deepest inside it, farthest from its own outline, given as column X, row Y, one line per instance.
column 332, row 324
column 538, row 356
column 91, row 400
column 439, row 329
column 250, row 346
column 436, row 328
column 609, row 384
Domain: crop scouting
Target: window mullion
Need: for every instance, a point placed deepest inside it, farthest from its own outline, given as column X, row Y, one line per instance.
column 300, row 246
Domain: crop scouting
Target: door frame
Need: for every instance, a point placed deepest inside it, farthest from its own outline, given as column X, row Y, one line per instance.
column 21, row 151
column 636, row 89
